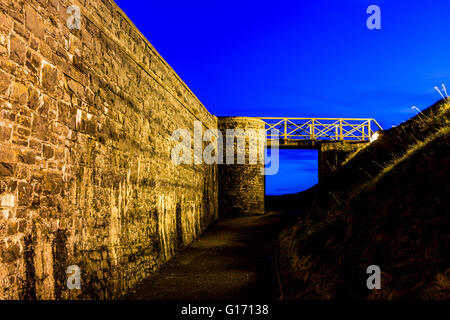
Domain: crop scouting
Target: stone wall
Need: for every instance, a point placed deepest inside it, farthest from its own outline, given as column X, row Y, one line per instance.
column 333, row 154
column 242, row 186
column 85, row 138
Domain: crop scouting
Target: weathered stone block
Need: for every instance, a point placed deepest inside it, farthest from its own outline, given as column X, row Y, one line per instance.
column 7, row 154
column 49, row 78
column 43, row 106
column 65, row 112
column 40, row 128
column 23, row 132
column 12, row 228
column 34, row 44
column 47, row 152
column 52, row 182
column 20, row 30
column 28, row 157
column 7, row 169
column 3, row 51
column 22, row 172
column 76, row 88
column 6, row 21
column 10, row 253
column 35, row 145
column 23, row 119
column 25, row 193
column 35, row 99
column 33, row 22
column 9, row 66
column 8, row 200
column 33, row 63
column 5, row 133
column 22, row 225
column 18, row 50
column 19, row 93
column 8, row 115
column 5, row 82
column 20, row 141
column 46, row 51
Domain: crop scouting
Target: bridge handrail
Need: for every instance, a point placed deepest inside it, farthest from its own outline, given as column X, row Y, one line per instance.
column 341, row 129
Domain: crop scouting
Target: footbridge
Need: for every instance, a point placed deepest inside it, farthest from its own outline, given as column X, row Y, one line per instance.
column 334, row 138
column 310, row 133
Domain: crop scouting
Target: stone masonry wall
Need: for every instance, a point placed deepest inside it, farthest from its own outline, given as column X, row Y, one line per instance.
column 86, row 179
column 242, row 186
column 333, row 154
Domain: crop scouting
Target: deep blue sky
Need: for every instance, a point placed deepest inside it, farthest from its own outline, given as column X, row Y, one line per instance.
column 302, row 58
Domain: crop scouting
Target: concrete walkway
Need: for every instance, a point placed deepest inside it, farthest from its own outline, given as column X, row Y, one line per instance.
column 232, row 259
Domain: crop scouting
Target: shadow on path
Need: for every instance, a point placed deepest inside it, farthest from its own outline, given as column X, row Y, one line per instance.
column 232, row 259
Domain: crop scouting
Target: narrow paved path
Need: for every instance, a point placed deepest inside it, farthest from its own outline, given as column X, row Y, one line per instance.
column 232, row 259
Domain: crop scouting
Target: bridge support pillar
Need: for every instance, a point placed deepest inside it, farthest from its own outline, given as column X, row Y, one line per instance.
column 241, row 186
column 333, row 154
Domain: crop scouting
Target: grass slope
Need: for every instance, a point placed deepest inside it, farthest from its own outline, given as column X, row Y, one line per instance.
column 388, row 206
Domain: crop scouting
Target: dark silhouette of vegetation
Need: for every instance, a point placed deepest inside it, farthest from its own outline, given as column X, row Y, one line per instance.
column 388, row 206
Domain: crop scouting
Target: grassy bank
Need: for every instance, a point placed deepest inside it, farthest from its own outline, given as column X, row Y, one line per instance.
column 389, row 206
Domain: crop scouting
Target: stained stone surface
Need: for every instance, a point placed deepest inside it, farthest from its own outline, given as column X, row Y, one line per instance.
column 86, row 178
column 242, row 186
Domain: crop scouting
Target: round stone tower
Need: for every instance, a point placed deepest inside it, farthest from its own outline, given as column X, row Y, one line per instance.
column 241, row 176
